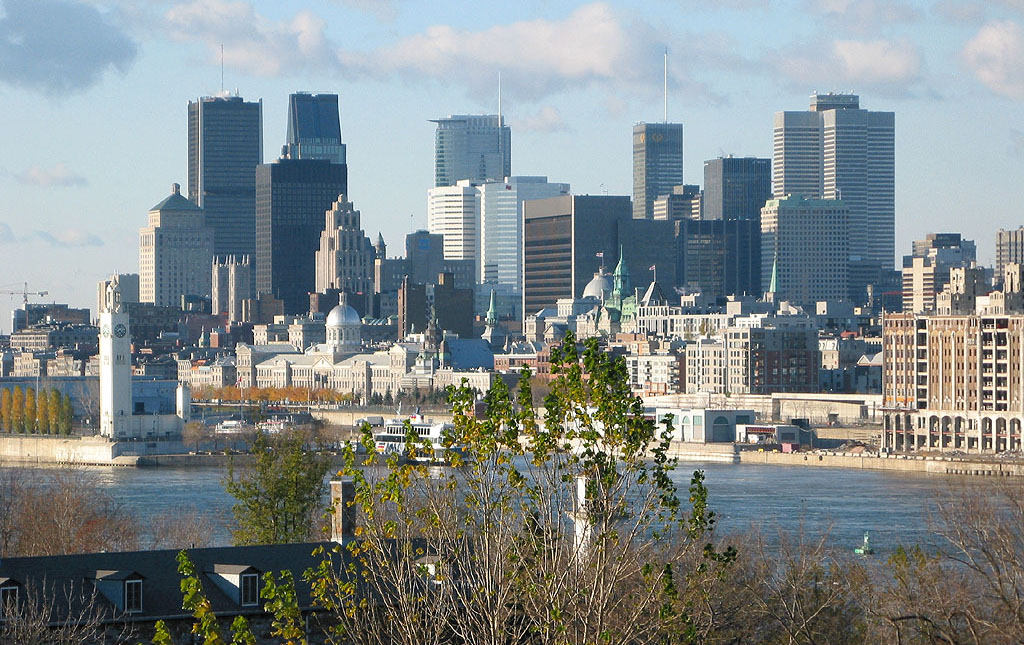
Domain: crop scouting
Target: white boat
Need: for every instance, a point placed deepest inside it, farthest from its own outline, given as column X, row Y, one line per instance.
column 391, row 438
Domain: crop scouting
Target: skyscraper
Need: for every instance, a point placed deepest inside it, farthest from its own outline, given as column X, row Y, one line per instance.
column 736, row 187
column 473, row 147
column 225, row 144
column 314, row 128
column 657, row 164
column 175, row 252
column 292, row 196
column 1009, row 248
column 345, row 258
column 501, row 226
column 454, row 213
column 838, row 151
column 805, row 249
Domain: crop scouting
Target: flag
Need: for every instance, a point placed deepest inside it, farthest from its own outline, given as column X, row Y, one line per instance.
column 651, row 268
column 600, row 255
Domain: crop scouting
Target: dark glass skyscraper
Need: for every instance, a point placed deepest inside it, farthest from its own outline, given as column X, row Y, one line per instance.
column 736, row 187
column 474, row 147
column 657, row 164
column 225, row 144
column 292, row 196
column 314, row 128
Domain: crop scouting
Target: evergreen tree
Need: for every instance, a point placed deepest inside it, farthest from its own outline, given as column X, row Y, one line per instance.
column 43, row 412
column 30, row 410
column 5, row 410
column 18, row 410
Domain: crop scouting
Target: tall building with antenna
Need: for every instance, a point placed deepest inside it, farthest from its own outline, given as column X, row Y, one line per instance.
column 225, row 144
column 657, row 164
column 473, row 147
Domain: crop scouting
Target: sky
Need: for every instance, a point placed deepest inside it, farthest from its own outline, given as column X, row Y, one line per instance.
column 94, row 93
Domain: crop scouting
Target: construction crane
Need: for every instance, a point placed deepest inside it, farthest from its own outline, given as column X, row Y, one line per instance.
column 24, row 293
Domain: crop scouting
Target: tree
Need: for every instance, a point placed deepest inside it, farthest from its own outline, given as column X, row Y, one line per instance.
column 30, row 410
column 5, row 410
column 43, row 412
column 53, row 408
column 280, row 493
column 67, row 414
column 193, row 433
column 18, row 410
column 568, row 530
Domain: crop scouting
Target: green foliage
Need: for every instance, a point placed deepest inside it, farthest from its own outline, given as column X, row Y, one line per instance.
column 43, row 412
column 194, row 600
column 54, row 411
column 161, row 635
column 5, row 410
column 18, row 410
column 279, row 494
column 283, row 604
column 67, row 414
column 29, row 414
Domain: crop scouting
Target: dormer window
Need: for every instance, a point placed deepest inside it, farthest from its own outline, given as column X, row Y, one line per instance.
column 249, row 588
column 132, row 596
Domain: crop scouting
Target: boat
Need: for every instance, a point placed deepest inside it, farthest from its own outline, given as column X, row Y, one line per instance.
column 865, row 549
column 391, row 439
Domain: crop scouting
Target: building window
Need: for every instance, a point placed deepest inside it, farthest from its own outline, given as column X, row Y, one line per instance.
column 250, row 589
column 132, row 596
column 8, row 597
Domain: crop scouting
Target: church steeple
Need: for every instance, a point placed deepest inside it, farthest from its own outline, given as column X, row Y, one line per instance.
column 492, row 312
column 620, row 278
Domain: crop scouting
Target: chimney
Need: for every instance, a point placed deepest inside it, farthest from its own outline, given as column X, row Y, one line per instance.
column 343, row 520
column 175, row 188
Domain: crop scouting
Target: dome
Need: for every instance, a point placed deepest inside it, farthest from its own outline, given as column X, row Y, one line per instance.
column 343, row 315
column 598, row 287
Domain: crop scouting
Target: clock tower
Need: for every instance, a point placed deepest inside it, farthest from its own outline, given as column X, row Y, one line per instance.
column 115, row 367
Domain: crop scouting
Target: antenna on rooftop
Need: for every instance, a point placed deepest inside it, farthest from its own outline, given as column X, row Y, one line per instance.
column 222, row 68
column 499, row 98
column 666, row 85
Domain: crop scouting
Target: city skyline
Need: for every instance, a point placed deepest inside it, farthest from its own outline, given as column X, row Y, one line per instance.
column 91, row 148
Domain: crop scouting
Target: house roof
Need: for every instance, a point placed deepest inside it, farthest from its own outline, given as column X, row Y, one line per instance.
column 66, row 577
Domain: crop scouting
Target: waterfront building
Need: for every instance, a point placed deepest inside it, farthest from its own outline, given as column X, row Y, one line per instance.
column 52, row 336
column 657, row 164
column 454, row 213
column 656, row 374
column 472, row 147
column 345, row 258
column 501, row 226
column 314, row 128
column 736, row 188
column 566, row 240
column 805, row 249
column 232, row 283
column 1009, row 248
column 225, row 144
column 175, row 252
column 836, row 150
column 292, row 196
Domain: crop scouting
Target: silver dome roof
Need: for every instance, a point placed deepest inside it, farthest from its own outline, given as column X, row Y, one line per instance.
column 343, row 315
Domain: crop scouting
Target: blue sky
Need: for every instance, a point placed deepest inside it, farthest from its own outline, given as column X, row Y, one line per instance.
column 93, row 98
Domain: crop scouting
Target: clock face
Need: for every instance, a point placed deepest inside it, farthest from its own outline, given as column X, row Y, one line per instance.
column 120, row 330
column 105, row 331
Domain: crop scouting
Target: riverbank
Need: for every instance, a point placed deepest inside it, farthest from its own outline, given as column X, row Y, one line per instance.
column 937, row 465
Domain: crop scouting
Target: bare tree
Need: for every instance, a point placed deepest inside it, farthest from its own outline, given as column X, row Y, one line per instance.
column 50, row 614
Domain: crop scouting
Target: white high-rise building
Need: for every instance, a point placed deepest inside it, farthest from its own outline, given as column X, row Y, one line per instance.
column 805, row 249
column 175, row 252
column 501, row 226
column 232, row 283
column 454, row 212
column 838, row 151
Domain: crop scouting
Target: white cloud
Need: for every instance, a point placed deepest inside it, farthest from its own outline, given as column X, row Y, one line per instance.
column 58, row 176
column 252, row 43
column 996, row 56
column 593, row 45
column 863, row 15
column 546, row 119
column 58, row 46
column 883, row 66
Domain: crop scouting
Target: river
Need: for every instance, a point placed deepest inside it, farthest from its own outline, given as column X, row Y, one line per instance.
column 893, row 506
